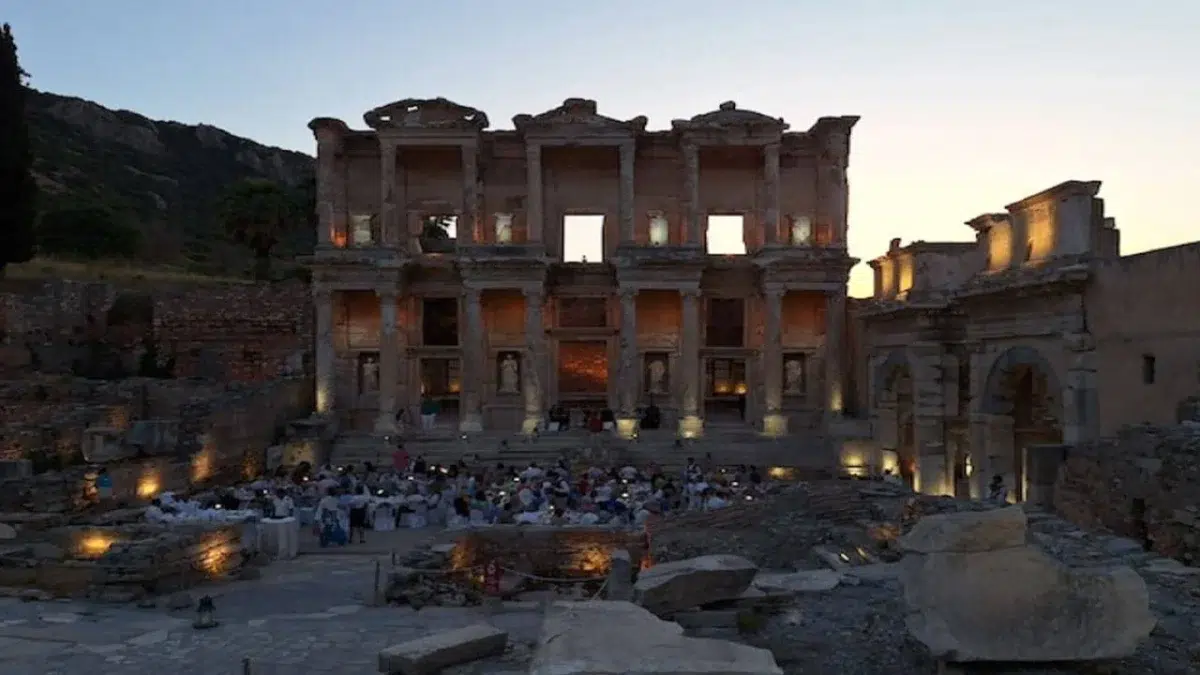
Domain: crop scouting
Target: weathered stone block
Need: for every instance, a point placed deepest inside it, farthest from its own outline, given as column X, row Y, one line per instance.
column 967, row 532
column 431, row 654
column 684, row 584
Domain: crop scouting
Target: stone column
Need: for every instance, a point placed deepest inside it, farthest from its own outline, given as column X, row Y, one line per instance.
column 533, row 191
column 325, row 355
column 1081, row 403
column 535, row 355
column 774, row 421
column 980, row 469
column 389, row 360
column 629, row 374
column 691, row 425
column 771, row 208
column 691, row 194
column 835, row 330
column 473, row 362
column 469, row 222
column 328, row 176
column 934, row 470
column 628, row 153
column 388, row 212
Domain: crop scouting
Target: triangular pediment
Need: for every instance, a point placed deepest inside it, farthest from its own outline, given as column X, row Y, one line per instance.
column 729, row 116
column 426, row 113
column 577, row 115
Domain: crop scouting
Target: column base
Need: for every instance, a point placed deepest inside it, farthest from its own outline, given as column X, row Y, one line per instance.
column 691, row 426
column 385, row 423
column 931, row 476
column 627, row 428
column 531, row 424
column 775, row 425
column 471, row 424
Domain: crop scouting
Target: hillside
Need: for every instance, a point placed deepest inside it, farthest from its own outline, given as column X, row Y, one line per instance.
column 164, row 177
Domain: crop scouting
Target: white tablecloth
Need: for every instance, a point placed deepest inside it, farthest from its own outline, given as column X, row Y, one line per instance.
column 279, row 538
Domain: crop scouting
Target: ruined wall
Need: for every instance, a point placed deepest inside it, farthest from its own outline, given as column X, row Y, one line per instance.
column 1143, row 307
column 547, row 551
column 222, row 331
column 1145, row 475
column 223, row 433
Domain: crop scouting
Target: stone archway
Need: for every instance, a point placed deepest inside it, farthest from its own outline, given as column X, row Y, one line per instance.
column 1022, row 389
column 894, row 401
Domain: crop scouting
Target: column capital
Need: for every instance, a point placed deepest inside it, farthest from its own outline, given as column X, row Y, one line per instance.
column 533, row 148
column 690, row 293
column 387, row 292
column 627, row 293
column 533, row 294
column 471, row 294
column 771, row 152
column 322, row 292
column 774, row 293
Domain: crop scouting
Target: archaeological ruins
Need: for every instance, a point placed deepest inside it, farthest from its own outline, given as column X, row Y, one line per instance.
column 992, row 357
column 581, row 262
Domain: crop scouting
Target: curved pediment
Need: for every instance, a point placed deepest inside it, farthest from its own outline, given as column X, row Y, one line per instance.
column 729, row 116
column 426, row 113
column 577, row 116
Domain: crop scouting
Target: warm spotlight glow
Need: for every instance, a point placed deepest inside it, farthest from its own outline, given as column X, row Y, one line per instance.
column 627, row 428
column 95, row 545
column 149, row 485
column 781, row 473
column 202, row 465
column 691, row 426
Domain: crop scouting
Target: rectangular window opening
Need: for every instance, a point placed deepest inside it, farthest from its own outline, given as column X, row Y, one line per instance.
column 1148, row 369
column 438, row 233
column 726, row 322
column 725, row 235
column 583, row 238
column 439, row 322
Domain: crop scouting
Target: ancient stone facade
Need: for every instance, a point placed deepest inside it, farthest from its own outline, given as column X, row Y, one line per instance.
column 1038, row 333
column 501, row 321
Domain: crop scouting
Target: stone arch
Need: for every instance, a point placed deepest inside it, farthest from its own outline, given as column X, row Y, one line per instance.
column 886, row 373
column 1022, row 394
column 1003, row 378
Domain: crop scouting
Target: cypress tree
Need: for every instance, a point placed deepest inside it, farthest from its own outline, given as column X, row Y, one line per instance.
column 18, row 191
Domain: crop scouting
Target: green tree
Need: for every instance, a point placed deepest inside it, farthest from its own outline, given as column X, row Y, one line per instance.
column 90, row 232
column 257, row 213
column 18, row 191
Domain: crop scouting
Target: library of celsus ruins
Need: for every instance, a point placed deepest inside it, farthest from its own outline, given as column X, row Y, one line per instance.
column 581, row 262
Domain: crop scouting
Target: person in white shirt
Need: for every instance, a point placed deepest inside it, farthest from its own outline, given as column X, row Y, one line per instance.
column 282, row 505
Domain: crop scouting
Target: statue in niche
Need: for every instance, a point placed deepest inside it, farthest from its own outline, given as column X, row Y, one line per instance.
column 656, row 377
column 793, row 376
column 368, row 373
column 660, row 233
column 801, row 231
column 504, row 228
column 510, row 374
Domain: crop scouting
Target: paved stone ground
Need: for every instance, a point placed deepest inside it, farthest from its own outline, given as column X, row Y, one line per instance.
column 304, row 616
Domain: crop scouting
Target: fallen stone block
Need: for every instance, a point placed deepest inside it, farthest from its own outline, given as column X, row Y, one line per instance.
column 1017, row 603
column 683, row 584
column 707, row 618
column 804, row 581
column 604, row 637
column 430, row 654
column 967, row 532
column 619, row 585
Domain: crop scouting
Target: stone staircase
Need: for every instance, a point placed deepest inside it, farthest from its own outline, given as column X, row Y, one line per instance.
column 727, row 446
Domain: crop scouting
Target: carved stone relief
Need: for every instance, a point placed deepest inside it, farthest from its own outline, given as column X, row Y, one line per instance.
column 504, row 228
column 368, row 372
column 508, row 377
column 657, row 374
column 795, row 374
column 801, row 231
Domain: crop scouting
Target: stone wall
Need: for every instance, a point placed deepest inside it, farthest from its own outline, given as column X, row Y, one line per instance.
column 223, row 433
column 226, row 331
column 1146, row 481
column 546, row 551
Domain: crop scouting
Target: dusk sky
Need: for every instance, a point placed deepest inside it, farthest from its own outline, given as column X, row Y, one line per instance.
column 966, row 105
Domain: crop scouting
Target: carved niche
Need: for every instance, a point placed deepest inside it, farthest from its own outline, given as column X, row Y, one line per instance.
column 577, row 115
column 508, row 373
column 801, row 233
column 656, row 369
column 504, row 228
column 426, row 113
column 659, row 229
column 795, row 374
column 368, row 372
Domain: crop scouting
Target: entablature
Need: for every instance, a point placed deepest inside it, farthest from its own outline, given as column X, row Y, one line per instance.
column 577, row 121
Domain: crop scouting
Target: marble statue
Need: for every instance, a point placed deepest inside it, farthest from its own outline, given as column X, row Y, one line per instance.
column 504, row 228
column 793, row 376
column 801, row 230
column 660, row 234
column 510, row 378
column 658, row 373
column 370, row 374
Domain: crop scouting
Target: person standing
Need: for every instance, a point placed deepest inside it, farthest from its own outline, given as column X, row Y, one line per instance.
column 429, row 412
